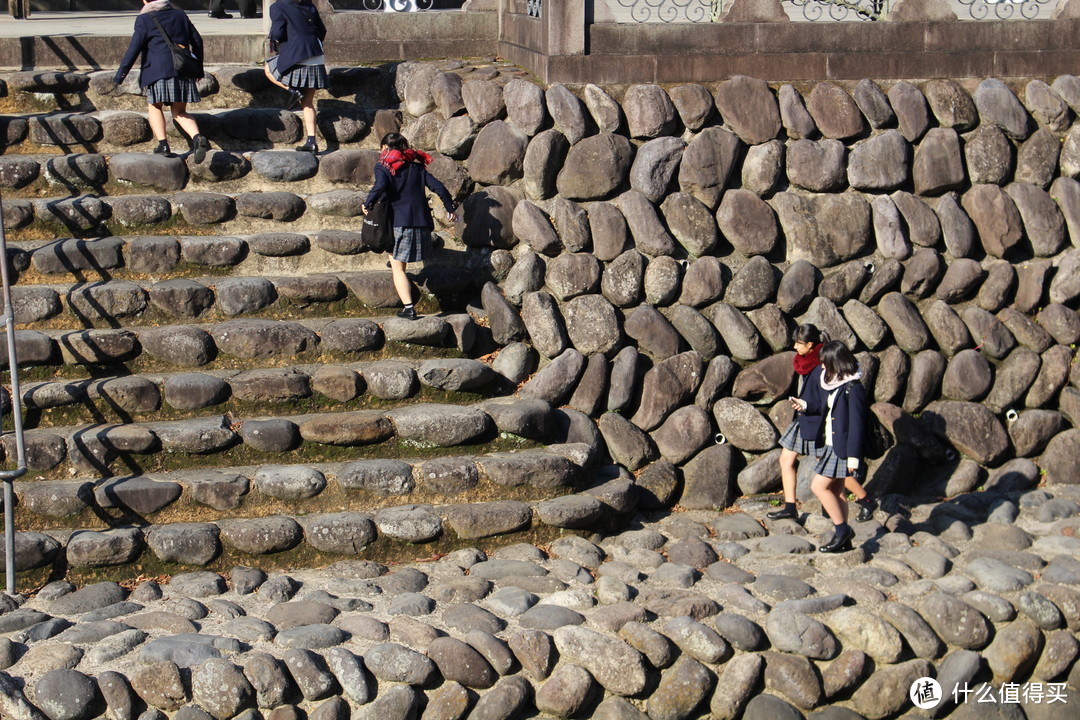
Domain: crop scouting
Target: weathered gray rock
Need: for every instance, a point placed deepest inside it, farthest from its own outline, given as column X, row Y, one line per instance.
column 544, row 158
column 749, row 108
column 887, row 691
column 835, row 112
column 628, row 445
column 190, row 543
column 567, row 112
column 615, row 665
column 817, row 166
column 709, row 478
column 707, row 163
column 998, row 106
column 91, row 548
column 259, row 536
column 498, row 154
column 595, row 167
column 797, row 633
column 824, row 229
column 655, row 165
column 557, row 379
column 882, row 163
column 483, row 100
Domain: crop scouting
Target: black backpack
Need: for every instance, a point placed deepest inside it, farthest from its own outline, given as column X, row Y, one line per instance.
column 876, row 438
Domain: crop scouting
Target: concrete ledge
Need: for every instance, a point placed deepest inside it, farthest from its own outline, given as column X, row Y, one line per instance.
column 627, row 53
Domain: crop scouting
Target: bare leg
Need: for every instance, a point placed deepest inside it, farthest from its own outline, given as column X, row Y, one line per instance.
column 828, row 490
column 787, row 473
column 401, row 281
column 185, row 121
column 855, row 488
column 271, row 78
column 156, row 117
column 307, row 103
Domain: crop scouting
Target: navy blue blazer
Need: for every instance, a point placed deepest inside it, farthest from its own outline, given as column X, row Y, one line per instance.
column 810, row 423
column 147, row 41
column 848, row 419
column 405, row 191
column 297, row 31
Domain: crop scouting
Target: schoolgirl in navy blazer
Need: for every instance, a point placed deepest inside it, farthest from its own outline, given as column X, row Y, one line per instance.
column 297, row 31
column 147, row 41
column 405, row 190
column 848, row 425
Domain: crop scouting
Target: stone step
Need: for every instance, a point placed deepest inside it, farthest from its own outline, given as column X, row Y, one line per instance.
column 133, row 303
column 511, row 469
column 179, row 533
column 234, row 343
column 324, row 387
column 222, row 87
column 287, row 256
column 239, row 435
column 148, row 191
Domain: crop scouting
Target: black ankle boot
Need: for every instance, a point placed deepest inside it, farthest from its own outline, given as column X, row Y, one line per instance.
column 309, row 146
column 163, row 148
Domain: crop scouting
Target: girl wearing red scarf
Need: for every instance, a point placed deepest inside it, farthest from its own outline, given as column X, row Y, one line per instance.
column 802, row 435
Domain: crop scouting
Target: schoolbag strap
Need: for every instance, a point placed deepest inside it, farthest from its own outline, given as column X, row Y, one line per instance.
column 165, row 35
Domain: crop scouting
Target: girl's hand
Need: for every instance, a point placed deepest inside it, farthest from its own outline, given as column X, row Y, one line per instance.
column 364, row 209
column 798, row 404
column 452, row 217
column 853, row 466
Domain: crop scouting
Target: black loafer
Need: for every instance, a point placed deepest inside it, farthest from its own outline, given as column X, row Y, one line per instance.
column 839, row 543
column 783, row 514
column 866, row 509
column 201, row 146
column 407, row 313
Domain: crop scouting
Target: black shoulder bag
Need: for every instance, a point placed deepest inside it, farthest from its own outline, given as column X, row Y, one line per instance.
column 376, row 233
column 184, row 61
column 876, row 438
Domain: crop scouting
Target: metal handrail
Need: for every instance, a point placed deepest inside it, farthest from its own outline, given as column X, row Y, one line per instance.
column 8, row 477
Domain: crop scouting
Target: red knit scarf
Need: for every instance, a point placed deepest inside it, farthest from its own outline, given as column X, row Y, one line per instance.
column 805, row 363
column 394, row 160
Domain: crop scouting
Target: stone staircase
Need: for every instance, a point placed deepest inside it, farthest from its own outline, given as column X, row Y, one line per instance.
column 216, row 387
column 211, row 344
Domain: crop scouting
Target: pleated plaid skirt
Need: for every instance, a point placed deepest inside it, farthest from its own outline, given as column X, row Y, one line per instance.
column 306, row 76
column 173, row 90
column 411, row 244
column 830, row 464
column 794, row 441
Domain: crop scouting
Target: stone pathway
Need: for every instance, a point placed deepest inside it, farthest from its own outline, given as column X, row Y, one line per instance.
column 681, row 615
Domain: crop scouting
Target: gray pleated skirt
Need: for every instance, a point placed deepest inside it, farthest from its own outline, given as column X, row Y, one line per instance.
column 173, row 90
column 306, row 76
column 830, row 464
column 794, row 441
column 411, row 244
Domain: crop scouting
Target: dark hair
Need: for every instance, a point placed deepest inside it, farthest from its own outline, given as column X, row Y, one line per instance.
column 809, row 333
column 395, row 141
column 838, row 361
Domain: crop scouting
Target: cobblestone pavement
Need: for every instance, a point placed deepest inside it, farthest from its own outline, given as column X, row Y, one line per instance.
column 677, row 616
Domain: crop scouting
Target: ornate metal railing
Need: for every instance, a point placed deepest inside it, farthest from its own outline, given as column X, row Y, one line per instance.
column 700, row 11
column 840, row 10
column 397, row 5
column 693, row 11
column 1006, row 9
column 535, row 8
